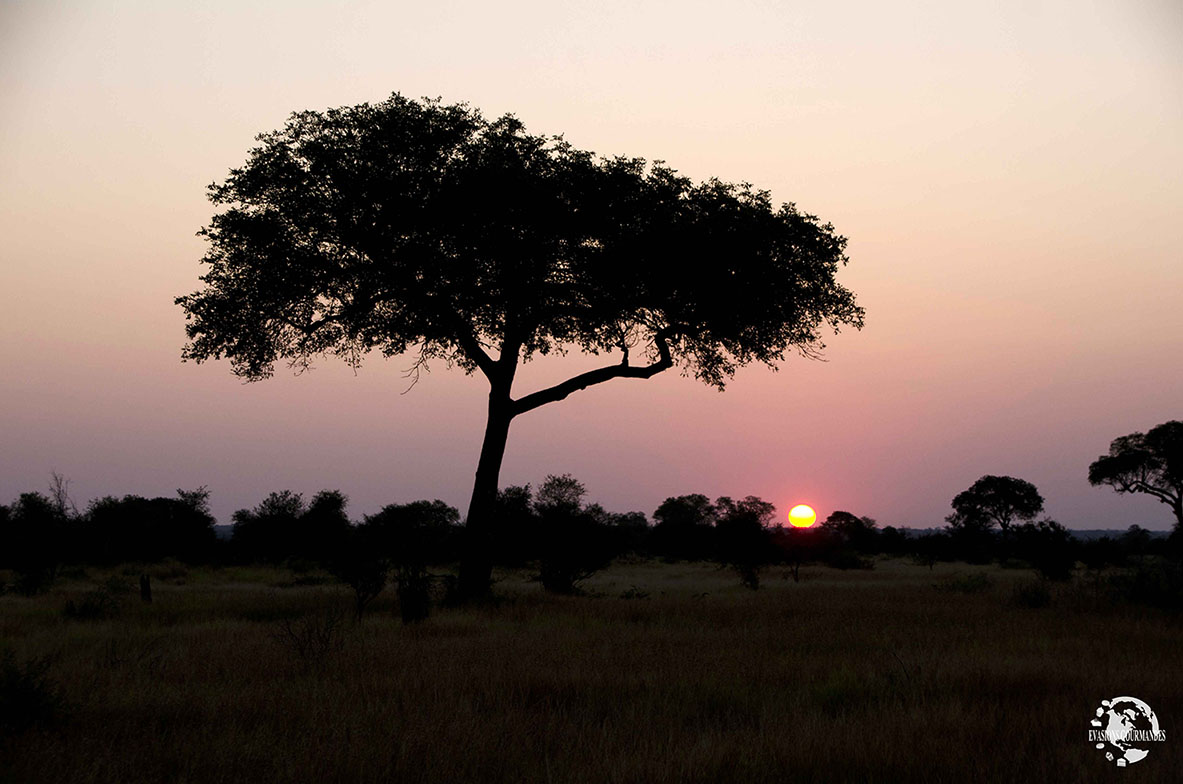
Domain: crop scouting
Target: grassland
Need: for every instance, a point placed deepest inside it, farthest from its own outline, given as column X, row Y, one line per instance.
column 896, row 674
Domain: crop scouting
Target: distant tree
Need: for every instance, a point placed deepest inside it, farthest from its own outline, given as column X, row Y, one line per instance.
column 323, row 528
column 36, row 543
column 1135, row 541
column 414, row 225
column 514, row 535
column 1150, row 463
column 629, row 531
column 1098, row 553
column 682, row 527
column 1047, row 546
column 414, row 536
column 743, row 539
column 796, row 547
column 361, row 564
column 892, row 540
column 857, row 533
column 574, row 541
column 933, row 546
column 269, row 531
column 560, row 492
column 146, row 530
column 59, row 496
column 995, row 500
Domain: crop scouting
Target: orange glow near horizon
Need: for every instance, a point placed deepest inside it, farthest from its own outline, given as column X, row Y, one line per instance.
column 802, row 516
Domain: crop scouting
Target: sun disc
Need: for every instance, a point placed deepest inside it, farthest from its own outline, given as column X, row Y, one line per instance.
column 802, row 516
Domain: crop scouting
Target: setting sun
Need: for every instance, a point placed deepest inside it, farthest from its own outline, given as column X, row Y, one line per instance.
column 802, row 516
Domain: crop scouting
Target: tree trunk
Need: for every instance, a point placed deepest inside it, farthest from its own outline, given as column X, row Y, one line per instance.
column 476, row 563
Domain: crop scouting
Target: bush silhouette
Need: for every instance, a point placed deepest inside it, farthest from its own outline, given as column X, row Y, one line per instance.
column 742, row 537
column 574, row 544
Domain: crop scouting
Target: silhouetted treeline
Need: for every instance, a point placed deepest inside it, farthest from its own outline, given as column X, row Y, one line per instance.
column 552, row 530
column 39, row 534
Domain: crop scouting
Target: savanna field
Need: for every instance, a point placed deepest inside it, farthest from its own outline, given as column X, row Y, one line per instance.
column 658, row 673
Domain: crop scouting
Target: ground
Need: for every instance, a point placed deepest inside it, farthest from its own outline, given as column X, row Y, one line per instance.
column 660, row 673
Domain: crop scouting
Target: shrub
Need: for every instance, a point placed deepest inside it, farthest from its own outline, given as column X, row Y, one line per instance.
column 743, row 537
column 312, row 639
column 573, row 543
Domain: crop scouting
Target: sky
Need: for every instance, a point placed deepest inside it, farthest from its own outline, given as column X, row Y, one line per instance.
column 1009, row 176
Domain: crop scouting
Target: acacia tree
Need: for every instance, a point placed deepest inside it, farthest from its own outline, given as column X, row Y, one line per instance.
column 417, row 226
column 1150, row 462
column 995, row 500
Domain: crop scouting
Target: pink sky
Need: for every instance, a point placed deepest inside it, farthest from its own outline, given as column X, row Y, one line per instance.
column 1010, row 179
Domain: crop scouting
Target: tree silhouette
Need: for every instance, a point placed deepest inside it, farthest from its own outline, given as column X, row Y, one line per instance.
column 857, row 533
column 574, row 541
column 995, row 500
column 1150, row 463
column 683, row 527
column 743, row 538
column 413, row 225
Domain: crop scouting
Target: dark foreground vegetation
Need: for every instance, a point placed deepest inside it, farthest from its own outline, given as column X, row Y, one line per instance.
column 704, row 644
column 658, row 673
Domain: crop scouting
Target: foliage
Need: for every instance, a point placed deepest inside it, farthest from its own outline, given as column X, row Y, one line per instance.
column 574, row 541
column 265, row 533
column 140, row 529
column 402, row 223
column 409, row 225
column 1047, row 546
column 1149, row 463
column 283, row 528
column 857, row 533
column 515, row 534
column 360, row 564
column 682, row 527
column 995, row 500
column 411, row 537
column 743, row 539
column 37, row 538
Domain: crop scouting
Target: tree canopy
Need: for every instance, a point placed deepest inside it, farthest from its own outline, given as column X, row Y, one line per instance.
column 995, row 500
column 1150, row 463
column 415, row 226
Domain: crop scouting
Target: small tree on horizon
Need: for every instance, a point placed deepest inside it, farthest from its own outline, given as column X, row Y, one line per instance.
column 995, row 500
column 414, row 226
column 743, row 537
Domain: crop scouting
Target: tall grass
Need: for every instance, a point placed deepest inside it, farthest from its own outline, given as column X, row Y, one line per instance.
column 845, row 676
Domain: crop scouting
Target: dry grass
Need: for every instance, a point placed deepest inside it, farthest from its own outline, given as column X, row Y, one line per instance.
column 860, row 676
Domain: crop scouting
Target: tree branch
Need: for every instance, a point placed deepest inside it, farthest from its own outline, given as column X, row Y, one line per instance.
column 471, row 347
column 597, row 376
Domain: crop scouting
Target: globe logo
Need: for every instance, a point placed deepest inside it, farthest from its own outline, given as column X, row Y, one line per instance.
column 1124, row 728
